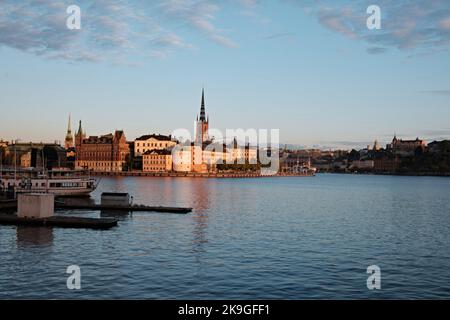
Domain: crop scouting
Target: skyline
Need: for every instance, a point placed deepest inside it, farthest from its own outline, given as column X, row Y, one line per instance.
column 312, row 70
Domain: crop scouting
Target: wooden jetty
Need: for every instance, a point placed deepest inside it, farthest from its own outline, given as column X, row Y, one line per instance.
column 12, row 204
column 60, row 221
column 129, row 208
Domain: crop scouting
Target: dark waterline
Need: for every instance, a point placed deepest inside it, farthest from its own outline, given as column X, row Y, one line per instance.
column 281, row 238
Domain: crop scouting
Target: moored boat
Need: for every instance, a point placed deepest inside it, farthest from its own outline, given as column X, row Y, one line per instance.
column 60, row 182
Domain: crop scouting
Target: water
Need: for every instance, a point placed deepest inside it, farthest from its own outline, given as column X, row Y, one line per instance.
column 267, row 238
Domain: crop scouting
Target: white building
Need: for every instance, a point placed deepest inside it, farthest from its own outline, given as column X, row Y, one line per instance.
column 152, row 142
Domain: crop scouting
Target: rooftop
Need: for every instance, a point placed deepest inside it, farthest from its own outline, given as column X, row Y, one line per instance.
column 160, row 137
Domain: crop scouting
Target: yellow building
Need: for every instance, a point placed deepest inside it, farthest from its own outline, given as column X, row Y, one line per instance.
column 195, row 158
column 152, row 142
column 157, row 161
column 204, row 154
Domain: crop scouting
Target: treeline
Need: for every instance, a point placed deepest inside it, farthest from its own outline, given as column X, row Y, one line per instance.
column 436, row 162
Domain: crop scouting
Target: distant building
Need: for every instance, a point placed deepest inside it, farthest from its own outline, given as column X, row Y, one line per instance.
column 386, row 164
column 105, row 153
column 376, row 146
column 406, row 147
column 157, row 161
column 3, row 144
column 363, row 164
column 293, row 162
column 202, row 155
column 152, row 142
column 35, row 155
column 442, row 147
column 203, row 158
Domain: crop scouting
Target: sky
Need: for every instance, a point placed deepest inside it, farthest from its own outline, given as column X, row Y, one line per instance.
column 311, row 69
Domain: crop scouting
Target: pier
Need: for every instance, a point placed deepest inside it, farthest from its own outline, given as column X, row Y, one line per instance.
column 59, row 221
column 12, row 204
column 125, row 208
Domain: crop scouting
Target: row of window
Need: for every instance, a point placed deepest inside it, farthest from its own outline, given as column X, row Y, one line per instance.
column 158, row 169
column 153, row 144
column 64, row 185
column 154, row 162
column 100, row 164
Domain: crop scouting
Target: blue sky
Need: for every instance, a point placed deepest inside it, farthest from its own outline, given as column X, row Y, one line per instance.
column 309, row 68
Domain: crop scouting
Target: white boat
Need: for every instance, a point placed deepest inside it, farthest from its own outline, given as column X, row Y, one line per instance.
column 60, row 182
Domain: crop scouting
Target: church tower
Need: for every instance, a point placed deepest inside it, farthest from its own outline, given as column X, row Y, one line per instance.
column 201, row 134
column 68, row 143
column 79, row 136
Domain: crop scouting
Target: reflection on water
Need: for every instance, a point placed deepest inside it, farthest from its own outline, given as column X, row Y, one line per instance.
column 268, row 238
column 118, row 214
column 200, row 214
column 34, row 236
column 76, row 200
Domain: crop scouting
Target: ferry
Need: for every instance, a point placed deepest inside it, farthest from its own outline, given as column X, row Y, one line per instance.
column 60, row 182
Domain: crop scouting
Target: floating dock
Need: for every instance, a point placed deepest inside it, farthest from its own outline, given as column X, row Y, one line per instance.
column 12, row 204
column 60, row 221
column 130, row 208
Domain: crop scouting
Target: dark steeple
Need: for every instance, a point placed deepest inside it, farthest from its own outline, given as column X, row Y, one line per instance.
column 80, row 129
column 202, row 108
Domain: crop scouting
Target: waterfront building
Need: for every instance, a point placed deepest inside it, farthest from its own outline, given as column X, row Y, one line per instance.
column 68, row 142
column 157, row 160
column 108, row 153
column 203, row 155
column 363, row 164
column 293, row 162
column 182, row 157
column 34, row 155
column 386, row 164
column 152, row 142
column 191, row 157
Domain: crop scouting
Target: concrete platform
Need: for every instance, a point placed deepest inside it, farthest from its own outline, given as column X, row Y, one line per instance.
column 132, row 208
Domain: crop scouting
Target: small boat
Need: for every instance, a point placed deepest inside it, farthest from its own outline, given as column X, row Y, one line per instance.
column 60, row 182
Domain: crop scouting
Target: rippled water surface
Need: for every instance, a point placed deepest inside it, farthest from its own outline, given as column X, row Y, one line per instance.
column 287, row 238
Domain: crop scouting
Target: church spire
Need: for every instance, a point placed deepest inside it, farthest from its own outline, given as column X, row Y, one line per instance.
column 68, row 143
column 80, row 129
column 202, row 108
column 69, row 126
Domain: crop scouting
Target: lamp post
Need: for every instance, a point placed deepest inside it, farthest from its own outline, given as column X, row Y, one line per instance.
column 15, row 166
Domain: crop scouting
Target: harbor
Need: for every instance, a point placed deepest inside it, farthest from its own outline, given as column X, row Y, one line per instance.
column 37, row 209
